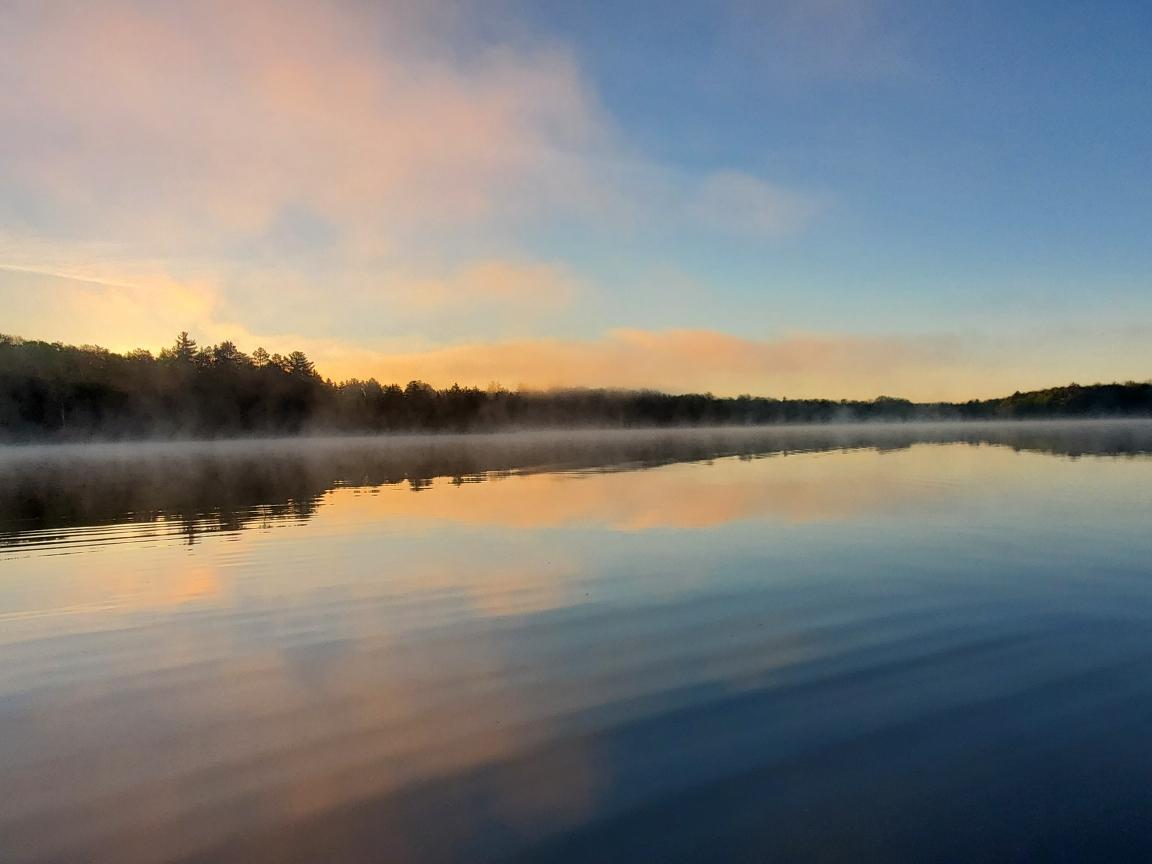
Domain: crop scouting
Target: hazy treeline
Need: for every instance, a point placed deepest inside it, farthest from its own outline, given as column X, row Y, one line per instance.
column 50, row 390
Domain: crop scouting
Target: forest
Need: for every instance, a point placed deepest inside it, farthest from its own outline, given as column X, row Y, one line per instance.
column 51, row 391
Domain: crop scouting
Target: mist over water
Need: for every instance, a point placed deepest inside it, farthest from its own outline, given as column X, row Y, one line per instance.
column 836, row 643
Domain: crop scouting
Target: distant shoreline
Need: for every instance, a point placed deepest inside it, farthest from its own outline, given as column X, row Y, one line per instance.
column 51, row 393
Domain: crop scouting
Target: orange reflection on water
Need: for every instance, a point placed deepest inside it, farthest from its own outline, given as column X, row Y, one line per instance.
column 803, row 487
column 310, row 681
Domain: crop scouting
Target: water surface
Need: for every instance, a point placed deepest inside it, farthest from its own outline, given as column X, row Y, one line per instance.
column 828, row 644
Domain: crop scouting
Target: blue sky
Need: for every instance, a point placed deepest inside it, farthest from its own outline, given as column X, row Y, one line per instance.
column 833, row 197
column 990, row 145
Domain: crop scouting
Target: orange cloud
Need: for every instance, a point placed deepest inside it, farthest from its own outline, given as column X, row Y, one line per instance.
column 75, row 305
column 685, row 360
column 139, row 305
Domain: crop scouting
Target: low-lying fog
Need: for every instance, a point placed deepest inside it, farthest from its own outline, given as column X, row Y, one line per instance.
column 45, row 486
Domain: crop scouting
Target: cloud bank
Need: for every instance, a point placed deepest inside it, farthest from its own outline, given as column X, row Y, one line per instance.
column 680, row 361
column 345, row 143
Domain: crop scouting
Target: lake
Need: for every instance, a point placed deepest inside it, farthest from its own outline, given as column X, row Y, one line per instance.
column 889, row 643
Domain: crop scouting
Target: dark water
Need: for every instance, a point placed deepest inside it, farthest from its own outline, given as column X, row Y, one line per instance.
column 842, row 644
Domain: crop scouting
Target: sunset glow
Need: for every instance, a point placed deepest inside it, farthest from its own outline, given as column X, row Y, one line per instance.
column 806, row 199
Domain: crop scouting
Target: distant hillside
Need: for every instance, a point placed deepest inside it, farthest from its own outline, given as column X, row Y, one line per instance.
column 61, row 392
column 1097, row 400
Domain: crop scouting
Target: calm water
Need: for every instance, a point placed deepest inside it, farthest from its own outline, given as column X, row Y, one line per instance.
column 886, row 644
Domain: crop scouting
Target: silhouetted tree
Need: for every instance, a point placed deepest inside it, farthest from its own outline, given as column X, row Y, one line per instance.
column 50, row 389
column 298, row 364
column 184, row 349
column 227, row 354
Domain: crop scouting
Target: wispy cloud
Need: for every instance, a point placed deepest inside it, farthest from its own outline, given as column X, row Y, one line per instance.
column 739, row 203
column 215, row 116
column 190, row 130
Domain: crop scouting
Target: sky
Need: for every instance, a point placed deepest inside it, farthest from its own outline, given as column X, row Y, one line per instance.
column 838, row 198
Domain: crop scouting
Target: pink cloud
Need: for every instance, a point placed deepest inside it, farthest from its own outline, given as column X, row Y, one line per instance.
column 187, row 125
column 213, row 116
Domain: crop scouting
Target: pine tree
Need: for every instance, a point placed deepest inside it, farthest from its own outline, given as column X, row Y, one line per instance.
column 298, row 364
column 184, row 350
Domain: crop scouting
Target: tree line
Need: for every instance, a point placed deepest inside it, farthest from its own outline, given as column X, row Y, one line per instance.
column 65, row 392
